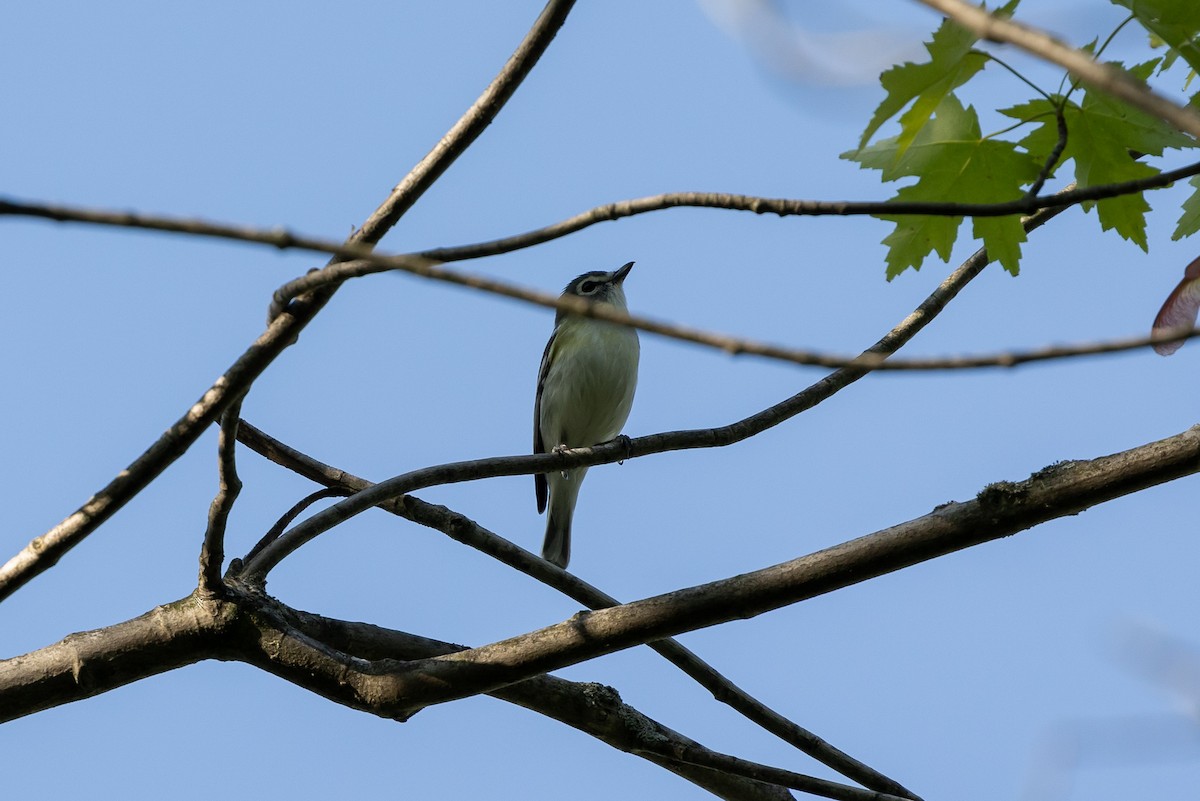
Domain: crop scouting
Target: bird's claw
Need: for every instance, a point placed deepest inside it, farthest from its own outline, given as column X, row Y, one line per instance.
column 559, row 450
column 626, row 444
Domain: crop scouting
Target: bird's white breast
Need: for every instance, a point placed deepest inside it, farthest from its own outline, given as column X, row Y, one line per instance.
column 589, row 387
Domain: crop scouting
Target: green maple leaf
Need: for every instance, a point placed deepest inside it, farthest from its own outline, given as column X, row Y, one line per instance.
column 1143, row 132
column 1104, row 135
column 1139, row 131
column 1043, row 114
column 1100, row 146
column 1189, row 223
column 952, row 62
column 1174, row 22
column 915, row 237
column 951, row 161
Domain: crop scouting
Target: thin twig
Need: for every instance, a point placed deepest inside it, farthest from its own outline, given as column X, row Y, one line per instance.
column 468, row 532
column 788, row 207
column 703, row 757
column 734, row 345
column 284, row 239
column 1083, row 66
column 44, row 552
column 1099, row 51
column 365, row 262
column 1048, row 353
column 783, row 207
column 286, row 520
column 212, row 552
column 1055, row 154
column 1016, row 73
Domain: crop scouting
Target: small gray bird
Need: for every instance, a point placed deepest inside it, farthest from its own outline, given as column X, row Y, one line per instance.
column 584, row 394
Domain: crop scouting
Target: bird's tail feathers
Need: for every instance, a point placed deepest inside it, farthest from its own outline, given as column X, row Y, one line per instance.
column 564, row 491
column 557, row 546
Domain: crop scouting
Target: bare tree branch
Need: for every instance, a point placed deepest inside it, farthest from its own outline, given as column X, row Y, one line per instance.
column 999, row 510
column 1136, row 93
column 243, row 628
column 272, row 643
column 286, row 520
column 785, row 207
column 363, row 262
column 44, row 552
column 1051, row 162
column 691, row 755
column 212, row 552
column 636, row 733
column 284, row 239
column 468, row 532
column 735, row 346
column 1015, row 358
column 93, row 662
column 591, row 708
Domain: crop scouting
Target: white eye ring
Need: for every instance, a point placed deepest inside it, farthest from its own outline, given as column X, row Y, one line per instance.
column 589, row 286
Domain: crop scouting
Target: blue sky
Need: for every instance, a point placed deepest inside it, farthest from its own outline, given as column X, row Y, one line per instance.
column 952, row 676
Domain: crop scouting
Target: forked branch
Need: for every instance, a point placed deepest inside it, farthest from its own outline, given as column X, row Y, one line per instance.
column 212, row 551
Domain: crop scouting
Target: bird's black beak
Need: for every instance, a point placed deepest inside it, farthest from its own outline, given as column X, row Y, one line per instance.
column 620, row 274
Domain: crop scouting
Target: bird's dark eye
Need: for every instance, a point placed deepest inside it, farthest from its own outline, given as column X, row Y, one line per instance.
column 588, row 287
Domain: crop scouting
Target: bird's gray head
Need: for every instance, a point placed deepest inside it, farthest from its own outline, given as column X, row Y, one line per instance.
column 600, row 287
